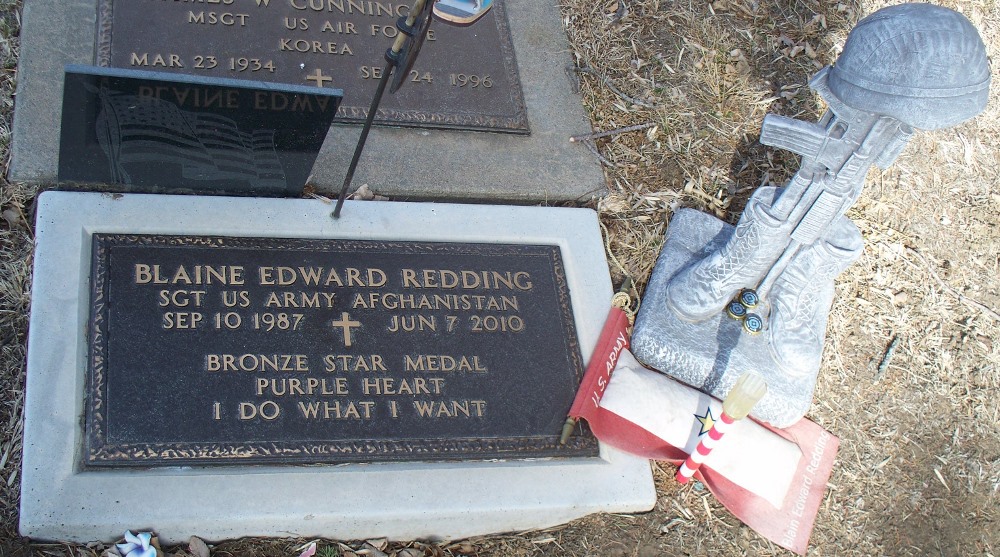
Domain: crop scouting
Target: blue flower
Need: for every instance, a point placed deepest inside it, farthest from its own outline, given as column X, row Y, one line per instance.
column 137, row 545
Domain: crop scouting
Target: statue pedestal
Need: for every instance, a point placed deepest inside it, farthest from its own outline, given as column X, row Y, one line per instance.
column 710, row 355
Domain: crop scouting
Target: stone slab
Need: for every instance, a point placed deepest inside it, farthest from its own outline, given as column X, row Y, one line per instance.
column 711, row 354
column 157, row 132
column 60, row 500
column 404, row 163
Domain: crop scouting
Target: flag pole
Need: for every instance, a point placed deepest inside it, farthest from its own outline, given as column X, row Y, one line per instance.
column 392, row 60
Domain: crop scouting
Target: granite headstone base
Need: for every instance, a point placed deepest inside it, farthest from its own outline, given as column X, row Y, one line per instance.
column 403, row 163
column 62, row 500
column 710, row 355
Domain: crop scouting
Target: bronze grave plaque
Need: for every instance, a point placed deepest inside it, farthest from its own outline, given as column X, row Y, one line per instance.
column 224, row 350
column 465, row 77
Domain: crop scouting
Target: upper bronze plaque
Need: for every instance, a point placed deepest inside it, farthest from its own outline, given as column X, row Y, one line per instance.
column 465, row 78
column 213, row 350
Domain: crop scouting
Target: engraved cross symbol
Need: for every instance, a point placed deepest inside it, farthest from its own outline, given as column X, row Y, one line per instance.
column 346, row 323
column 319, row 78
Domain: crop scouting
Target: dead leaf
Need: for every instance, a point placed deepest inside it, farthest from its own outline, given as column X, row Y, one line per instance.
column 308, row 550
column 12, row 217
column 431, row 550
column 370, row 551
column 198, row 547
column 155, row 542
column 900, row 298
column 363, row 193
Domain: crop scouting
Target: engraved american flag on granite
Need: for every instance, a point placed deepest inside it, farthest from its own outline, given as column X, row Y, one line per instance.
column 134, row 130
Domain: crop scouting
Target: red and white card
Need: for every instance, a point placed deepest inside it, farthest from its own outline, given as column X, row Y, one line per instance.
column 773, row 480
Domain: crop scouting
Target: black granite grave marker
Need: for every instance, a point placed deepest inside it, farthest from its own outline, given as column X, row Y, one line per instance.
column 157, row 132
column 222, row 350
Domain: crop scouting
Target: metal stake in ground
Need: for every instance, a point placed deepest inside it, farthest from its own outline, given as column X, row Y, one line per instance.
column 412, row 31
column 747, row 391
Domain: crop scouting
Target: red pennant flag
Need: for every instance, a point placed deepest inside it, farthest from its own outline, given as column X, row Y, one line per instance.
column 614, row 338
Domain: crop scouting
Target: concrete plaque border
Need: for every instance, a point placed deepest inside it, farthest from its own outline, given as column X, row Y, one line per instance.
column 61, row 501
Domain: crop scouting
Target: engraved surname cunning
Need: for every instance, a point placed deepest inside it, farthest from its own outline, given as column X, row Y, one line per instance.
column 360, row 7
column 225, row 2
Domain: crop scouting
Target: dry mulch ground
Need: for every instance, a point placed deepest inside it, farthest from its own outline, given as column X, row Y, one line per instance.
column 918, row 471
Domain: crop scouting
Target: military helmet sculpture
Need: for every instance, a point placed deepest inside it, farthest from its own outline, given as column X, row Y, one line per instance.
column 922, row 64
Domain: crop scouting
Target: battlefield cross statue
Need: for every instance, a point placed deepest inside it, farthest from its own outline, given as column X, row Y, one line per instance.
column 723, row 301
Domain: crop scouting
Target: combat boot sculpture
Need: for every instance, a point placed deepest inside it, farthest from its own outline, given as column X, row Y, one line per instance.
column 724, row 301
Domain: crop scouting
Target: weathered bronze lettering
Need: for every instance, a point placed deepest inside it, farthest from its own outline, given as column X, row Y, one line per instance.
column 248, row 343
column 465, row 78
